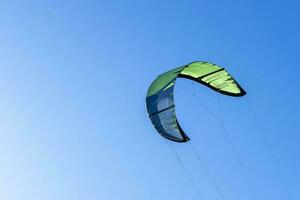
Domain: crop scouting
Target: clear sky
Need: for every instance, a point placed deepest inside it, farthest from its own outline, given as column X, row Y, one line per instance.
column 73, row 81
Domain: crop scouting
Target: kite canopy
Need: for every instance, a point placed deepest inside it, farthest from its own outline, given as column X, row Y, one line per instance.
column 160, row 95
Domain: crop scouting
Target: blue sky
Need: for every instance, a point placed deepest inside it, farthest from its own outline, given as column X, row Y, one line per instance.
column 73, row 80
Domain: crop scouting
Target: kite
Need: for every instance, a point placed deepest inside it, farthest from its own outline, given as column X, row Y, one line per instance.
column 160, row 96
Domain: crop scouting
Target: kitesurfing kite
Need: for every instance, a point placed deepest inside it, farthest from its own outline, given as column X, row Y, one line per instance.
column 160, row 98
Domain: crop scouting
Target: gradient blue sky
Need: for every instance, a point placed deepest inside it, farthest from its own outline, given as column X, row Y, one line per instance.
column 73, row 79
